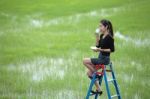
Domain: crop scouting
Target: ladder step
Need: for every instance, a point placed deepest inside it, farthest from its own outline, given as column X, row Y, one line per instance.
column 111, row 80
column 114, row 96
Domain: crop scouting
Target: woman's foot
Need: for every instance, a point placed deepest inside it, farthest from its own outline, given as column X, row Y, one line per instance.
column 97, row 92
column 93, row 92
column 90, row 77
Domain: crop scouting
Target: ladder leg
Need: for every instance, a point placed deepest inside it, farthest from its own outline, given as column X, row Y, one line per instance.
column 96, row 96
column 91, row 85
column 100, row 80
column 106, row 84
column 115, row 82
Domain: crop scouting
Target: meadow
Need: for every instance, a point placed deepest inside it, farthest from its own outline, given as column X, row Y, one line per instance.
column 43, row 42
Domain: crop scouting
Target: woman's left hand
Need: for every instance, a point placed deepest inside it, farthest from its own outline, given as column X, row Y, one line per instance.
column 96, row 50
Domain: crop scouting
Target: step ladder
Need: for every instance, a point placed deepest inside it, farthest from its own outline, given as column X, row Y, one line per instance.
column 99, row 75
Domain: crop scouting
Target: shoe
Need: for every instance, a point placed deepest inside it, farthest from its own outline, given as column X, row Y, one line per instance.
column 90, row 77
column 97, row 92
column 93, row 92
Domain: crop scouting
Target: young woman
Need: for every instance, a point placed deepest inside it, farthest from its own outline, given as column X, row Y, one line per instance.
column 105, row 45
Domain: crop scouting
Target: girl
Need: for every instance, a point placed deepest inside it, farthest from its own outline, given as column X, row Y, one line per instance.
column 105, row 45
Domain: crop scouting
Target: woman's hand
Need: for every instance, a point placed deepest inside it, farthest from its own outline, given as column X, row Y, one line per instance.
column 96, row 50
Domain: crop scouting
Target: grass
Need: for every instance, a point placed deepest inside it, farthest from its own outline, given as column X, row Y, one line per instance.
column 42, row 44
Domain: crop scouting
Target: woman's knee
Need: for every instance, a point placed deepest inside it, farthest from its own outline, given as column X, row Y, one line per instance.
column 86, row 61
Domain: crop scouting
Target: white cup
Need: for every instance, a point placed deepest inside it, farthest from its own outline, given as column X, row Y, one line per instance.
column 97, row 31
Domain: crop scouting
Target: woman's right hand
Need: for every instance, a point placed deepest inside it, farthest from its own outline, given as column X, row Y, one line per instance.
column 97, row 31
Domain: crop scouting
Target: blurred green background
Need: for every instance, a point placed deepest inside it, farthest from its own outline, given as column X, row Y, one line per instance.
column 43, row 42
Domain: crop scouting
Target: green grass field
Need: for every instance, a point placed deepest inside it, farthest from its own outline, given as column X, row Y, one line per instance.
column 43, row 42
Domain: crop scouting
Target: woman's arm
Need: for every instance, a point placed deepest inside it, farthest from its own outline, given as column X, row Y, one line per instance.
column 102, row 50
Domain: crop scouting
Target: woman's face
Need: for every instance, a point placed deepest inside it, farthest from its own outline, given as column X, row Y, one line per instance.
column 103, row 29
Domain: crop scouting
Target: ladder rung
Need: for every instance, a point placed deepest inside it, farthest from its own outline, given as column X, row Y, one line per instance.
column 114, row 96
column 111, row 80
column 107, row 70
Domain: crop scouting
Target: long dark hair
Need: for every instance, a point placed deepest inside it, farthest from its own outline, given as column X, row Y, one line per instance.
column 109, row 26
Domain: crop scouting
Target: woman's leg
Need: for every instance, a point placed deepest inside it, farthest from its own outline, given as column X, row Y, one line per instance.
column 87, row 62
column 98, row 88
column 89, row 74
